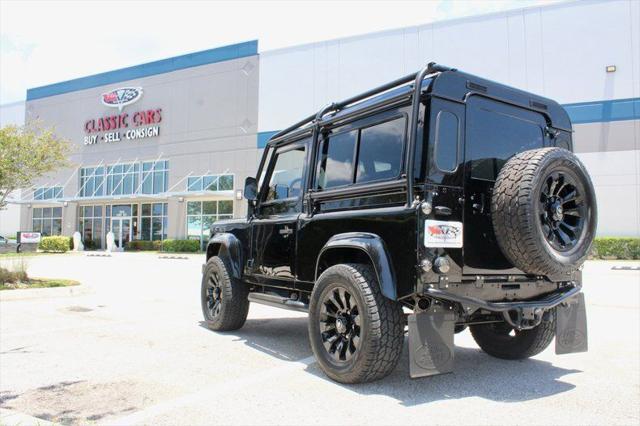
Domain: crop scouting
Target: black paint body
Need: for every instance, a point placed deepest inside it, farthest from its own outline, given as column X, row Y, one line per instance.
column 465, row 130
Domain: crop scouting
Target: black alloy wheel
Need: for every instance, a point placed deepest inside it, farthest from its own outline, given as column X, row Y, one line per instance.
column 340, row 323
column 213, row 295
column 562, row 210
column 224, row 300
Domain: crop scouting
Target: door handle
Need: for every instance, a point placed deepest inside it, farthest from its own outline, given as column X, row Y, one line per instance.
column 286, row 231
column 443, row 211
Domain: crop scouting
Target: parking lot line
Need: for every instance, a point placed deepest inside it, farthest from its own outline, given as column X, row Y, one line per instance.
column 139, row 417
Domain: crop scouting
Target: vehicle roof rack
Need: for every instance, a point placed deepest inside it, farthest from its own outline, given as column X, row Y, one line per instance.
column 431, row 68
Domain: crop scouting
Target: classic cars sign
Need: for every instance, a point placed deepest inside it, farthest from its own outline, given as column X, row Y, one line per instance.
column 119, row 98
column 122, row 126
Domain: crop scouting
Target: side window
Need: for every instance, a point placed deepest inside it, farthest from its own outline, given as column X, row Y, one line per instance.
column 286, row 176
column 336, row 160
column 446, row 141
column 380, row 151
column 377, row 150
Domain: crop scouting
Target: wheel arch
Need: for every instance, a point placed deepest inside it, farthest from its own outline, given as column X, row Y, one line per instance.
column 226, row 244
column 361, row 247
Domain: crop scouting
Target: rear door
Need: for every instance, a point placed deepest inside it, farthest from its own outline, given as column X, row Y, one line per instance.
column 495, row 132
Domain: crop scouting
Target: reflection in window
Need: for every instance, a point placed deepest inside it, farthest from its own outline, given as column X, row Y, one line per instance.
column 446, row 141
column 153, row 221
column 336, row 160
column 47, row 220
column 379, row 155
column 202, row 214
column 210, row 183
column 286, row 177
column 91, row 226
column 493, row 138
column 151, row 177
column 380, row 151
column 47, row 193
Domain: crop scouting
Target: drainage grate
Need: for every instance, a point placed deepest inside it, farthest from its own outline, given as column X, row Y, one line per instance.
column 173, row 257
column 97, row 255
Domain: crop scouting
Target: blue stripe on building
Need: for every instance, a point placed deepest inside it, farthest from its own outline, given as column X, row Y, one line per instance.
column 263, row 138
column 189, row 60
column 580, row 113
column 604, row 111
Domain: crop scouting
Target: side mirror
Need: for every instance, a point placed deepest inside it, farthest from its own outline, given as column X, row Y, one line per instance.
column 250, row 188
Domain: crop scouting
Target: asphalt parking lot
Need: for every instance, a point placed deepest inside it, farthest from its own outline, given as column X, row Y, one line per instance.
column 128, row 347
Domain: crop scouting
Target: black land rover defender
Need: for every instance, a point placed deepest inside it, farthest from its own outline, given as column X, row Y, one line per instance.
column 442, row 194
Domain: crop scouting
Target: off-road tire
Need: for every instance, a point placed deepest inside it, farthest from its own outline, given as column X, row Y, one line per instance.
column 234, row 304
column 516, row 211
column 495, row 340
column 382, row 326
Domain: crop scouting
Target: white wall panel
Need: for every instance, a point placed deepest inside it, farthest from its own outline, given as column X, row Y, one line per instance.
column 479, row 46
column 579, row 41
column 615, row 176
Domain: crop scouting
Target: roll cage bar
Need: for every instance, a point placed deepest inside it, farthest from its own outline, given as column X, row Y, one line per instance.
column 417, row 77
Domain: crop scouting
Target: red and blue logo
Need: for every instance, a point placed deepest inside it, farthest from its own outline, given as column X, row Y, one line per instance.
column 119, row 98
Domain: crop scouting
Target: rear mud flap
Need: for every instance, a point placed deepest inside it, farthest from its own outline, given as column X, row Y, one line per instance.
column 571, row 326
column 431, row 342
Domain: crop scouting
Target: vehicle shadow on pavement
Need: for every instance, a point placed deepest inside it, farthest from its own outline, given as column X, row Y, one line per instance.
column 476, row 374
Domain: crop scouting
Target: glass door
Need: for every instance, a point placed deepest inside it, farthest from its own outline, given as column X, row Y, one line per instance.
column 121, row 228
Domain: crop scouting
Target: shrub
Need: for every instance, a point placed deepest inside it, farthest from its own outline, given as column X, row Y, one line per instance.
column 143, row 245
column 181, row 246
column 57, row 244
column 618, row 248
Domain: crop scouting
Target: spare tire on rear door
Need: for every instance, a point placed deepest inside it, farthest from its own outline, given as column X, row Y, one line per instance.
column 543, row 210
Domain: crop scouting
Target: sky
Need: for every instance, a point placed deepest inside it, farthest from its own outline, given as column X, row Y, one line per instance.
column 44, row 42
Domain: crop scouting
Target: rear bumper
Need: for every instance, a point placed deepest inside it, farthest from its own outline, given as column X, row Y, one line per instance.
column 528, row 313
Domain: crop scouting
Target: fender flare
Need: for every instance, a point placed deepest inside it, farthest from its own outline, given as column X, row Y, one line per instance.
column 375, row 248
column 229, row 243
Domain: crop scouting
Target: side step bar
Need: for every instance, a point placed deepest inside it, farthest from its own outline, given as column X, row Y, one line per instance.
column 278, row 302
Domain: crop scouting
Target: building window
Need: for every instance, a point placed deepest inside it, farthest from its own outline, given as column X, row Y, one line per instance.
column 123, row 179
column 153, row 222
column 47, row 193
column 91, row 226
column 91, row 181
column 151, row 177
column 202, row 214
column 47, row 220
column 155, row 177
column 210, row 183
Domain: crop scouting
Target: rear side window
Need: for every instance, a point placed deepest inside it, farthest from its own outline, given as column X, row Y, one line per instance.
column 336, row 160
column 380, row 151
column 377, row 150
column 497, row 132
column 446, row 141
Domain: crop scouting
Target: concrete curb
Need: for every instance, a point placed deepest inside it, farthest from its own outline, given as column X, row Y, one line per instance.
column 14, row 418
column 43, row 293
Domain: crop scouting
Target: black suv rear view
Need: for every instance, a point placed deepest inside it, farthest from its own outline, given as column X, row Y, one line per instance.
column 442, row 194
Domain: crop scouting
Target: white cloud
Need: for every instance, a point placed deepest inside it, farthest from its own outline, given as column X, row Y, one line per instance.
column 47, row 42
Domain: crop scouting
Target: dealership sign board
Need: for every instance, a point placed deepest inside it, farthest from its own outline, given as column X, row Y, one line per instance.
column 140, row 124
column 29, row 237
